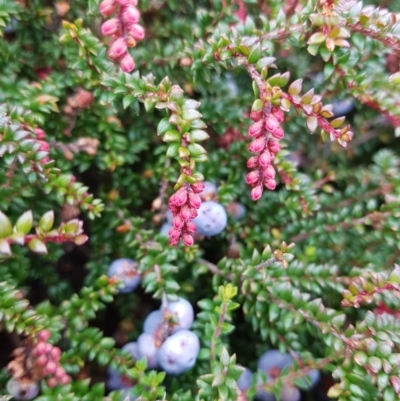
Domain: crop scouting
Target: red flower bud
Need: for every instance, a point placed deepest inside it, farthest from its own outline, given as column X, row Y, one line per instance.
column 256, row 115
column 190, row 227
column 187, row 239
column 107, row 7
column 194, row 200
column 174, row 234
column 257, row 145
column 43, row 335
column 269, row 172
column 271, row 123
column 41, row 360
column 131, row 15
column 178, row 222
column 181, row 197
column 256, row 193
column 252, row 177
column 127, row 63
column 186, row 212
column 278, row 133
column 193, row 213
column 52, row 382
column 40, row 134
column 278, row 114
column 65, row 380
column 110, row 27
column 270, row 183
column 117, row 50
column 274, row 146
column 59, row 373
column 197, row 187
column 137, row 32
column 252, row 162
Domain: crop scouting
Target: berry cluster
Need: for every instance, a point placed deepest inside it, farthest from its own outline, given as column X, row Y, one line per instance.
column 183, row 205
column 166, row 342
column 266, row 131
column 123, row 28
column 35, row 360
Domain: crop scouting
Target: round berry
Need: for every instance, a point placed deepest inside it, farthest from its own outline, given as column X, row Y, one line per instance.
column 290, row 393
column 245, row 379
column 147, row 348
column 126, row 271
column 182, row 314
column 236, row 210
column 178, row 353
column 132, row 349
column 22, row 390
column 211, row 219
column 152, row 321
column 209, row 191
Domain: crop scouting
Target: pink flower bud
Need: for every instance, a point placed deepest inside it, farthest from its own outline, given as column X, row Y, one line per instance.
column 107, row 7
column 265, row 159
column 190, row 227
column 55, row 353
column 257, row 145
column 252, row 177
column 278, row 113
column 269, row 172
column 59, row 373
column 271, row 123
column 40, row 134
column 127, row 63
column 137, row 32
column 41, row 360
column 49, row 347
column 52, row 382
column 278, row 133
column 65, row 380
column 181, row 197
column 256, row 129
column 270, row 183
column 44, row 146
column 131, row 15
column 43, row 335
column 187, row 239
column 185, row 212
column 174, row 234
column 174, row 209
column 197, row 187
column 117, row 50
column 256, row 193
column 39, row 349
column 50, row 368
column 178, row 222
column 110, row 27
column 193, row 213
column 274, row 146
column 194, row 200
column 256, row 115
column 252, row 162
column 173, row 242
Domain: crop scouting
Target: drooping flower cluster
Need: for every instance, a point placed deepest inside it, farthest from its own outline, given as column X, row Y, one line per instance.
column 267, row 132
column 123, row 28
column 183, row 204
column 37, row 360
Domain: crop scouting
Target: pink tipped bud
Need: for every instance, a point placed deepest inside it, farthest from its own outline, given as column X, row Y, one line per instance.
column 41, row 360
column 131, row 15
column 190, row 227
column 256, row 193
column 271, row 123
column 39, row 349
column 181, row 197
column 178, row 222
column 256, row 129
column 55, row 354
column 107, row 7
column 174, row 209
column 256, row 115
column 187, row 239
column 137, row 32
column 194, row 200
column 49, row 347
column 278, row 133
column 173, row 242
column 197, row 187
column 50, row 368
column 110, row 27
column 59, row 373
column 252, row 177
column 193, row 213
column 257, row 145
column 43, row 335
column 40, row 134
column 127, row 63
column 52, row 382
column 270, row 183
column 265, row 159
column 278, row 113
column 117, row 50
column 269, row 172
column 44, row 146
column 274, row 146
column 174, row 234
column 252, row 162
column 185, row 212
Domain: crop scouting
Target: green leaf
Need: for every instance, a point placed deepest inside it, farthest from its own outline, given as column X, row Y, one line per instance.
column 5, row 226
column 199, row 135
column 37, row 246
column 196, row 149
column 190, row 114
column 163, row 126
column 24, row 223
column 172, row 150
column 255, row 54
column 46, row 221
column 172, row 136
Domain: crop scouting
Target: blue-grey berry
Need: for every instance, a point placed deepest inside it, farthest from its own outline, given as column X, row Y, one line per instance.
column 164, row 230
column 209, row 191
column 211, row 219
column 152, row 321
column 22, row 390
column 178, row 353
column 147, row 348
column 126, row 271
column 182, row 313
column 245, row 379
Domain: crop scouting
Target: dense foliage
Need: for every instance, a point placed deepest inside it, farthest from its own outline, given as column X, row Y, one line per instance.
column 113, row 115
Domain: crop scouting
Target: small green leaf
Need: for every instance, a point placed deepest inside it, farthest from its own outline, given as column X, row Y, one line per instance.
column 199, row 135
column 172, row 136
column 37, row 246
column 190, row 114
column 5, row 226
column 172, row 150
column 255, row 54
column 295, row 87
column 24, row 223
column 46, row 221
column 163, row 126
column 196, row 149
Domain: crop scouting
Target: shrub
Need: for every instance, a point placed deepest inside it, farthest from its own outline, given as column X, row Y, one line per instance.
column 113, row 115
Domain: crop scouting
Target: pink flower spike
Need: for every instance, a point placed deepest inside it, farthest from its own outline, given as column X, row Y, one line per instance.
column 127, row 63
column 108, row 7
column 110, row 27
column 137, row 32
column 256, row 193
column 131, row 15
column 117, row 50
